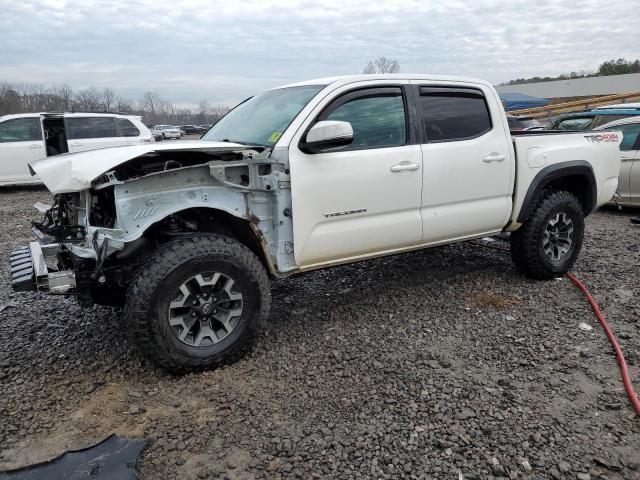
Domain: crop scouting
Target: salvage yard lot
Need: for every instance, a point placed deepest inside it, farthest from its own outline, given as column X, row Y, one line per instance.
column 426, row 365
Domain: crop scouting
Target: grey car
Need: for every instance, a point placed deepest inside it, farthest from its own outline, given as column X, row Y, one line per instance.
column 629, row 181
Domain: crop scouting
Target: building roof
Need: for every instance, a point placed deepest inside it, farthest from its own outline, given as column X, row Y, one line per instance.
column 577, row 87
column 517, row 101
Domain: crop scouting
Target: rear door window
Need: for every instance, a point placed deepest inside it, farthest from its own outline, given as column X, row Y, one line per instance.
column 90, row 127
column 451, row 114
column 20, row 130
column 127, row 129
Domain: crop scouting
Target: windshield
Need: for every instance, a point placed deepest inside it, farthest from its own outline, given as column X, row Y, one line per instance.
column 262, row 119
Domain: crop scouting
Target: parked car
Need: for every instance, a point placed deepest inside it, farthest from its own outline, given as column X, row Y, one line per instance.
column 523, row 123
column 631, row 105
column 193, row 129
column 592, row 118
column 157, row 134
column 27, row 137
column 167, row 131
column 629, row 181
column 299, row 178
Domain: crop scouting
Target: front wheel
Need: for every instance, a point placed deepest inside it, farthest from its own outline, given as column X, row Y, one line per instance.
column 548, row 243
column 198, row 302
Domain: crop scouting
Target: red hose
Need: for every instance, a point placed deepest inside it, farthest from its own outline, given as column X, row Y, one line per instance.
column 616, row 346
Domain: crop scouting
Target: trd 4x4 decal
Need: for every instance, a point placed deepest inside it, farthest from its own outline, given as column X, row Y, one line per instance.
column 602, row 137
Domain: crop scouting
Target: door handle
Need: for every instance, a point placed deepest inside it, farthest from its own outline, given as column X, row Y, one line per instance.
column 493, row 157
column 33, row 147
column 405, row 167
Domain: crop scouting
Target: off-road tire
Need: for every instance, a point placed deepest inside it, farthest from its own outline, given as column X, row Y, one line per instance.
column 148, row 298
column 527, row 249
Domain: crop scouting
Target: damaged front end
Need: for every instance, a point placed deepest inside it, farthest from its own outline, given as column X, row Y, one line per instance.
column 92, row 241
column 49, row 264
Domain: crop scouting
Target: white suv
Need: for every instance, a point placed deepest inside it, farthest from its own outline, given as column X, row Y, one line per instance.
column 27, row 137
column 167, row 131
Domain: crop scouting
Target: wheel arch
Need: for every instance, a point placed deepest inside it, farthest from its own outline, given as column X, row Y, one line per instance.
column 576, row 177
column 217, row 220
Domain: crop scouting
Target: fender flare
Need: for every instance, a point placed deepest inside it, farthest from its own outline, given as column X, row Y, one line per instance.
column 551, row 173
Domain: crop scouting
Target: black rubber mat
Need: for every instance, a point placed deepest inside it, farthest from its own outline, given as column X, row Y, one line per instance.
column 114, row 458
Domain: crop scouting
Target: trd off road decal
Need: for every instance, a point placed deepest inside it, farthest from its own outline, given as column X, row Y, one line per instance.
column 602, row 137
column 348, row 212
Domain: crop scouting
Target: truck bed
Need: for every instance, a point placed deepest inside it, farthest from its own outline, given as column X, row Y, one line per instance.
column 538, row 151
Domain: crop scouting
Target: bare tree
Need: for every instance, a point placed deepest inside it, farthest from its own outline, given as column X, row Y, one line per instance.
column 88, row 100
column 382, row 65
column 124, row 105
column 150, row 102
column 108, row 98
column 10, row 101
column 28, row 97
column 203, row 111
column 64, row 95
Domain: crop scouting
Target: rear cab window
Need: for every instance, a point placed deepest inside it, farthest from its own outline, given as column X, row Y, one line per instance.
column 90, row 127
column 453, row 113
column 20, row 130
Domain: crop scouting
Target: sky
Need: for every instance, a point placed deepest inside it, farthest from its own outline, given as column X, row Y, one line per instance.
column 225, row 51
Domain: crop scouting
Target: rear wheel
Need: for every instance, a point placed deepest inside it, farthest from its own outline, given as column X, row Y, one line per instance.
column 198, row 302
column 548, row 243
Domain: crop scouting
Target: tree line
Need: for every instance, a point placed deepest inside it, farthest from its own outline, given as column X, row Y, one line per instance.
column 620, row 66
column 29, row 98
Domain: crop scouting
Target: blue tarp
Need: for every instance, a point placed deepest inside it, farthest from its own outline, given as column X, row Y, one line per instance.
column 516, row 101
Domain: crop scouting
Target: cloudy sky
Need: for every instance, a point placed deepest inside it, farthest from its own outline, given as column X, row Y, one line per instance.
column 223, row 51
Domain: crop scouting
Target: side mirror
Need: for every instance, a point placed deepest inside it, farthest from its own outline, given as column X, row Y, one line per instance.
column 327, row 135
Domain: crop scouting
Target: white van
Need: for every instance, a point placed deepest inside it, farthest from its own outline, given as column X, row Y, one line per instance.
column 27, row 137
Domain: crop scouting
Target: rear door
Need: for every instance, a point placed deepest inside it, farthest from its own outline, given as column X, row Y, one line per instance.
column 629, row 179
column 466, row 153
column 88, row 133
column 21, row 142
column 364, row 198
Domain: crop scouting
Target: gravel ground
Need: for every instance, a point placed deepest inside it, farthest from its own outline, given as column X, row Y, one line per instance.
column 443, row 364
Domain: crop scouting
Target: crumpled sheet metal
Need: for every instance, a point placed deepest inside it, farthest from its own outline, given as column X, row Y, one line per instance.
column 114, row 458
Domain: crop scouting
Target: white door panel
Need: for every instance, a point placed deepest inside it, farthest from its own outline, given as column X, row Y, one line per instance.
column 93, row 143
column 21, row 142
column 349, row 204
column 15, row 158
column 463, row 192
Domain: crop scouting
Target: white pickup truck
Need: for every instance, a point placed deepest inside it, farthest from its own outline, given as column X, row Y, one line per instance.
column 320, row 173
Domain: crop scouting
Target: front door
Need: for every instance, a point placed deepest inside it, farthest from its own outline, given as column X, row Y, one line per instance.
column 363, row 198
column 466, row 154
column 21, row 142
